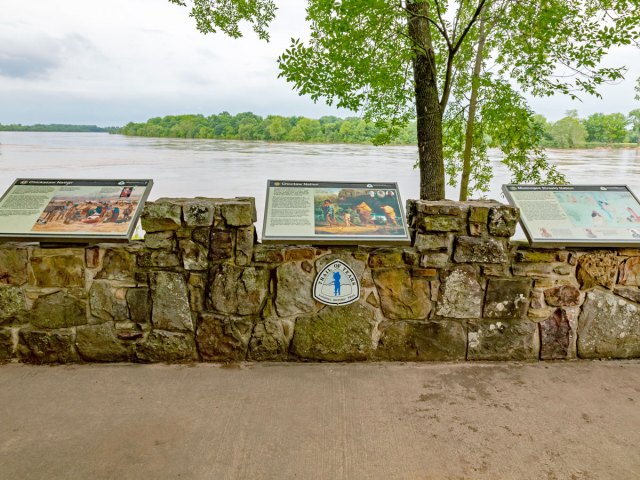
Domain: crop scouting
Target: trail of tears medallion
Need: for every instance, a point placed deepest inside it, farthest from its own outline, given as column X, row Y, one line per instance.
column 336, row 284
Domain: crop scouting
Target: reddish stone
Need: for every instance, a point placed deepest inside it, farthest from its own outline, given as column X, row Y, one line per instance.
column 630, row 272
column 424, row 272
column 221, row 244
column 299, row 253
column 92, row 257
column 555, row 336
column 562, row 296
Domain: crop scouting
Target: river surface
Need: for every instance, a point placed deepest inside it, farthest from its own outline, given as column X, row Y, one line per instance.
column 229, row 168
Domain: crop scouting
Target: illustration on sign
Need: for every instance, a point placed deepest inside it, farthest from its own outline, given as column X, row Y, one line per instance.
column 352, row 211
column 336, row 284
column 334, row 213
column 64, row 209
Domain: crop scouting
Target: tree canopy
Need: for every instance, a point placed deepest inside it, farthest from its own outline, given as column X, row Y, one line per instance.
column 248, row 126
column 54, row 127
column 393, row 60
column 597, row 130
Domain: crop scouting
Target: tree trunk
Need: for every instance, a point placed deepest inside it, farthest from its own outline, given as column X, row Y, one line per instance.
column 428, row 111
column 473, row 103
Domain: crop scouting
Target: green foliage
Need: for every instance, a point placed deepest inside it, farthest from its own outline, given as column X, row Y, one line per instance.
column 248, row 126
column 506, row 123
column 228, row 15
column 556, row 46
column 54, row 127
column 544, row 127
column 634, row 121
column 569, row 132
column 598, row 130
column 606, row 128
column 510, row 127
column 361, row 56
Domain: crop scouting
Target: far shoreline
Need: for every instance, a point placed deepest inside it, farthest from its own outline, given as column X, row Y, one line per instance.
column 284, row 142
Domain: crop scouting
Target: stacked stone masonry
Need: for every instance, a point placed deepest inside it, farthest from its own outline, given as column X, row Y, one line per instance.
column 201, row 288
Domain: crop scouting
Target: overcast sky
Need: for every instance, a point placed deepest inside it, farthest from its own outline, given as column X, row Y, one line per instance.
column 111, row 62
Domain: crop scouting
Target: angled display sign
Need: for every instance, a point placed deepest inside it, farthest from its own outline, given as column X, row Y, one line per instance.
column 577, row 215
column 334, row 213
column 72, row 210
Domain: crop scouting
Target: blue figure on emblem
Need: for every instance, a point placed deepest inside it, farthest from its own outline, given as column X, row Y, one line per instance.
column 336, row 283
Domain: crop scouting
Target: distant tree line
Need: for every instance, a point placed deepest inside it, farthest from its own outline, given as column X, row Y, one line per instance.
column 54, row 127
column 248, row 126
column 614, row 129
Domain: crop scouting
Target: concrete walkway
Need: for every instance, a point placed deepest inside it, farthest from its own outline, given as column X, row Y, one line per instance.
column 577, row 420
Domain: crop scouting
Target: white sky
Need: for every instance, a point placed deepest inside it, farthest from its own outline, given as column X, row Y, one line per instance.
column 111, row 62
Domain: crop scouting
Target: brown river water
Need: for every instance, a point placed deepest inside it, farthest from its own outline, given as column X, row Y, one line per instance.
column 229, row 168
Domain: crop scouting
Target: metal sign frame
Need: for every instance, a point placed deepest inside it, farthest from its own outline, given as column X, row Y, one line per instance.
column 47, row 210
column 577, row 215
column 303, row 218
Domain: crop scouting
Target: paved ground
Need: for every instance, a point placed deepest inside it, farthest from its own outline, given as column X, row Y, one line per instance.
column 577, row 420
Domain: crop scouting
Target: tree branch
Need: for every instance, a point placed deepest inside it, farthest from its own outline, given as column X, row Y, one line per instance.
column 457, row 20
column 443, row 32
column 476, row 14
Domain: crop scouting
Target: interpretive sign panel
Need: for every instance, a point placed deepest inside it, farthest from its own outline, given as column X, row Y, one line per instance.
column 334, row 213
column 590, row 215
column 64, row 210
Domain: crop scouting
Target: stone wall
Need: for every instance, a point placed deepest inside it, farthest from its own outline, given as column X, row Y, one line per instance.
column 200, row 288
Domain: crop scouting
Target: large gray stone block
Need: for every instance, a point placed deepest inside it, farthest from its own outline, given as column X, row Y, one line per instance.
column 224, row 338
column 608, row 327
column 13, row 265
column 12, row 304
column 503, row 340
column 479, row 250
column 503, row 220
column 461, row 294
column 169, row 347
column 161, row 216
column 99, row 343
column 170, row 297
column 270, row 340
column 402, row 296
column 239, row 291
column 507, row 298
column 237, row 213
column 294, row 290
column 335, row 334
column 53, row 346
column 58, row 310
column 440, row 341
column 108, row 302
column 198, row 213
